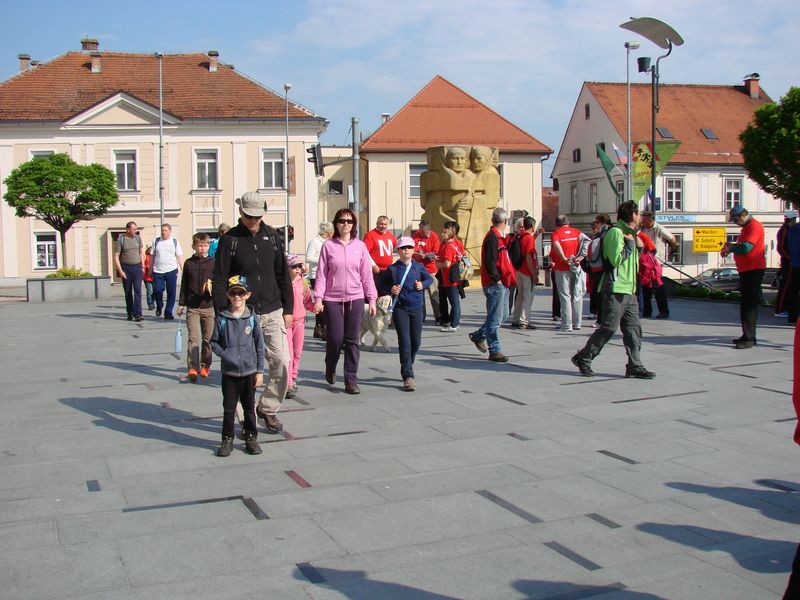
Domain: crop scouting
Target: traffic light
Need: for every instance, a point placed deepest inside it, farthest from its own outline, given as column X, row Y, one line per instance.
column 316, row 159
column 286, row 233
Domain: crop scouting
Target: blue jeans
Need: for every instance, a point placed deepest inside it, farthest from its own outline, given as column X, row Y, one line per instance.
column 148, row 288
column 132, row 284
column 454, row 300
column 408, row 326
column 496, row 313
column 169, row 281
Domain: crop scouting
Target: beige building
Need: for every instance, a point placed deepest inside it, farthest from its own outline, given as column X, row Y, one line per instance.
column 700, row 184
column 223, row 134
column 394, row 156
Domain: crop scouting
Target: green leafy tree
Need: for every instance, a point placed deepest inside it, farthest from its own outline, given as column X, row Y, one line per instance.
column 60, row 192
column 771, row 148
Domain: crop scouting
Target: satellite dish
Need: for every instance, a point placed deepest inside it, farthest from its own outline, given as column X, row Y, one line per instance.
column 658, row 32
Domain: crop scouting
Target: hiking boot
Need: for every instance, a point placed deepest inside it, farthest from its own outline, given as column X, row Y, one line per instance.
column 352, row 389
column 250, row 443
column 271, row 422
column 745, row 344
column 739, row 340
column 192, row 374
column 203, row 371
column 291, row 393
column 408, row 384
column 479, row 343
column 498, row 357
column 227, row 446
column 639, row 373
column 583, row 365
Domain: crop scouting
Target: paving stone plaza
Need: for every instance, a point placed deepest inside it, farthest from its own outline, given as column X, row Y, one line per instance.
column 492, row 481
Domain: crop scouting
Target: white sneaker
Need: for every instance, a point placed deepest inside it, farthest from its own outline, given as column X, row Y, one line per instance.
column 448, row 329
column 564, row 329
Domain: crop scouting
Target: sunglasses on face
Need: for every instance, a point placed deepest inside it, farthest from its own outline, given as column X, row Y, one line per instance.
column 297, row 266
column 345, row 221
column 237, row 293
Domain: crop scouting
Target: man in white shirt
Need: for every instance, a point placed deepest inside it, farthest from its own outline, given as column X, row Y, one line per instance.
column 166, row 259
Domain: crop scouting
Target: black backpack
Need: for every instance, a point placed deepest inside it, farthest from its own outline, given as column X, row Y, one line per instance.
column 515, row 251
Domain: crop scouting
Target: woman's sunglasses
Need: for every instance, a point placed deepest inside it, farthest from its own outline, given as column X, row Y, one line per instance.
column 345, row 221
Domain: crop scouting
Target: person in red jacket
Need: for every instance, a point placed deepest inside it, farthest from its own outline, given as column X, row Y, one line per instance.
column 426, row 247
column 748, row 252
column 380, row 243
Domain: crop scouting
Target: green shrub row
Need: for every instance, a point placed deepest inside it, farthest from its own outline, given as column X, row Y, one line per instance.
column 701, row 291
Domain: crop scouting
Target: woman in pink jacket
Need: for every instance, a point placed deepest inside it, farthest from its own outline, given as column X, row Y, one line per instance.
column 344, row 279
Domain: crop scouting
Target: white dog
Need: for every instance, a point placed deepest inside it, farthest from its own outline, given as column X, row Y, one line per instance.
column 377, row 324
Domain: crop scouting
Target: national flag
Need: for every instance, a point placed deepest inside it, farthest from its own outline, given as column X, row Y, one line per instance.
column 621, row 156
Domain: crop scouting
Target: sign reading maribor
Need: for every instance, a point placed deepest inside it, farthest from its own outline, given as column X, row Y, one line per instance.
column 708, row 239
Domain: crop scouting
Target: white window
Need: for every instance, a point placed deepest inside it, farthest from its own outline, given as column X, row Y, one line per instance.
column 206, row 162
column 593, row 198
column 125, row 163
column 46, row 251
column 620, row 191
column 733, row 193
column 414, row 171
column 336, row 187
column 272, row 168
column 675, row 255
column 573, row 199
column 41, row 153
column 674, row 195
column 731, row 238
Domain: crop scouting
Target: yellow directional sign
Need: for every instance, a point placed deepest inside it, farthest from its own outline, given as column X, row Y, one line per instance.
column 708, row 239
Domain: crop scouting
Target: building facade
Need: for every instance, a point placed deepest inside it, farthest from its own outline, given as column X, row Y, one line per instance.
column 700, row 184
column 222, row 134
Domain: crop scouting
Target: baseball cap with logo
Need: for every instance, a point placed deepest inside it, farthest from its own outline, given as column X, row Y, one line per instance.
column 252, row 204
column 238, row 282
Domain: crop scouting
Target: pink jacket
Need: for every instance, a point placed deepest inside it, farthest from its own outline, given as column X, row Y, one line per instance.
column 302, row 299
column 344, row 273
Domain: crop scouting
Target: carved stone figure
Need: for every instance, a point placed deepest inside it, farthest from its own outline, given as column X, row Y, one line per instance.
column 462, row 185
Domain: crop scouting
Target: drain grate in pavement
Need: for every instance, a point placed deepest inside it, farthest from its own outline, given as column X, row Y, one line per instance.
column 93, row 485
column 573, row 556
column 506, row 398
column 249, row 504
column 513, row 508
column 310, row 573
column 659, row 397
column 625, row 459
column 603, row 521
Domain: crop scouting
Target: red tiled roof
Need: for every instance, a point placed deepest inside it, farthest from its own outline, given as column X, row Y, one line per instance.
column 441, row 114
column 684, row 110
column 65, row 86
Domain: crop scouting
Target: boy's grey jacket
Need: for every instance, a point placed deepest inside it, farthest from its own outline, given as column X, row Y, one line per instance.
column 239, row 343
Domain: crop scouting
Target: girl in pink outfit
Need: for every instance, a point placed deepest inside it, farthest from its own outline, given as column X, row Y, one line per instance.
column 295, row 335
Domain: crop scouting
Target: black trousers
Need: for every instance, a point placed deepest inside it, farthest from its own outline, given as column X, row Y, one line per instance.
column 235, row 390
column 556, row 300
column 661, row 300
column 750, row 282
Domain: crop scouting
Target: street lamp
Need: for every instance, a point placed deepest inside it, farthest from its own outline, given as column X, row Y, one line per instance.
column 286, row 88
column 663, row 36
column 633, row 45
column 160, row 57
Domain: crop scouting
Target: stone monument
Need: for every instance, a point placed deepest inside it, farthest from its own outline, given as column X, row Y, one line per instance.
column 462, row 185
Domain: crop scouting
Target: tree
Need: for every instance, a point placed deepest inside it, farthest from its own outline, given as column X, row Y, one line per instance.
column 771, row 148
column 60, row 192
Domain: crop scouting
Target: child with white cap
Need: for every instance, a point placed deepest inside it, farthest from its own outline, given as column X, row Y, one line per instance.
column 405, row 280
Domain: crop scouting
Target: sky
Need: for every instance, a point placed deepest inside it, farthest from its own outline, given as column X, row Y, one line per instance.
column 525, row 59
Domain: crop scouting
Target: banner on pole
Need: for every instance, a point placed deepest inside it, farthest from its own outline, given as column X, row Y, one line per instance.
column 642, row 162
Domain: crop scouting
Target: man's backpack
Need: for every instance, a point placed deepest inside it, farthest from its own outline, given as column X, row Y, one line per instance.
column 595, row 260
column 515, row 251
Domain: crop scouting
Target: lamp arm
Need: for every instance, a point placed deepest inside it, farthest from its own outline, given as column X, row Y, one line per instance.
column 656, row 76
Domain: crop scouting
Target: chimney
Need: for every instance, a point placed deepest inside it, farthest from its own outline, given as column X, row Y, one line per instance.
column 35, row 63
column 24, row 61
column 90, row 45
column 751, row 85
column 384, row 117
column 95, row 61
column 213, row 61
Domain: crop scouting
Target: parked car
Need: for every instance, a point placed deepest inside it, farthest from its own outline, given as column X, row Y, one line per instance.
column 725, row 278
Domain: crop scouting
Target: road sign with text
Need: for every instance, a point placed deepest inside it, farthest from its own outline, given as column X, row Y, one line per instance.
column 708, row 239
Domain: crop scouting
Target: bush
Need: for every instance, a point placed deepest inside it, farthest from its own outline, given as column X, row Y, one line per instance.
column 67, row 272
column 701, row 291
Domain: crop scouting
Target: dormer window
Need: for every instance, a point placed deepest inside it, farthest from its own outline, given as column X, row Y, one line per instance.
column 665, row 133
column 709, row 133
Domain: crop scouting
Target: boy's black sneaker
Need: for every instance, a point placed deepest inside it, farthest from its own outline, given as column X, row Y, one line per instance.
column 227, row 446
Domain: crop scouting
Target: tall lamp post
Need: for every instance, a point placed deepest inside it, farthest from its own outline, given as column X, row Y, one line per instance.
column 633, row 45
column 663, row 36
column 160, row 57
column 286, row 88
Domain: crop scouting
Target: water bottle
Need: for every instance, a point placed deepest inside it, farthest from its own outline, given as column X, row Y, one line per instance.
column 178, row 340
